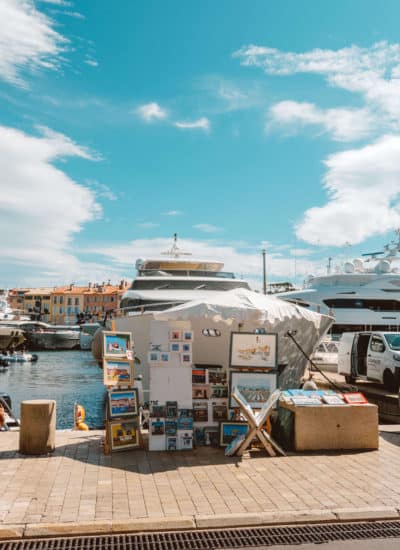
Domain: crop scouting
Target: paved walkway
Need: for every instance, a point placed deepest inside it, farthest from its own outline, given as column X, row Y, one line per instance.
column 79, row 489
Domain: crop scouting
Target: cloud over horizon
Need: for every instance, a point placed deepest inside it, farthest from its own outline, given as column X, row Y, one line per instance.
column 41, row 207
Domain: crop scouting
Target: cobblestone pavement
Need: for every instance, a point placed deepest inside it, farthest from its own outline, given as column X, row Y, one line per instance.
column 78, row 483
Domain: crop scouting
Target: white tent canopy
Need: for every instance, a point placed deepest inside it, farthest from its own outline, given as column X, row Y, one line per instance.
column 243, row 310
column 242, row 305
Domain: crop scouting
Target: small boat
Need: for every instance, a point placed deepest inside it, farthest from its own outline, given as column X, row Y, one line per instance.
column 20, row 357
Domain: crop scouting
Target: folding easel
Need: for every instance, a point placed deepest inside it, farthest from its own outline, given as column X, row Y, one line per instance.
column 256, row 422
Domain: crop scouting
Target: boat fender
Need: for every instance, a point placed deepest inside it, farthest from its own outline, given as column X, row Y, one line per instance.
column 79, row 417
column 35, row 357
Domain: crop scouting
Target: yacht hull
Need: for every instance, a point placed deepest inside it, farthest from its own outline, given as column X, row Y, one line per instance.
column 62, row 340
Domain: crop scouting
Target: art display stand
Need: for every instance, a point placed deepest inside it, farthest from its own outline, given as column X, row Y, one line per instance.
column 171, row 407
column 253, row 378
column 122, row 405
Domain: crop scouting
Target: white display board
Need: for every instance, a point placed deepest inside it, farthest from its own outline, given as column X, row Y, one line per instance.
column 171, row 384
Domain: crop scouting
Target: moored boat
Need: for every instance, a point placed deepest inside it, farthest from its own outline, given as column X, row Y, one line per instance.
column 19, row 357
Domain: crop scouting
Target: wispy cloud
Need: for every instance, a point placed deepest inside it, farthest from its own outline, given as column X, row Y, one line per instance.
column 90, row 61
column 74, row 14
column 148, row 225
column 201, row 124
column 207, row 228
column 172, row 213
column 227, row 95
column 102, row 190
column 57, row 2
column 150, row 112
column 27, row 41
column 364, row 196
column 342, row 124
column 371, row 72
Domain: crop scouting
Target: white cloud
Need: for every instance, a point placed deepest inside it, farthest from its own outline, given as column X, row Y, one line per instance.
column 102, row 190
column 91, row 62
column 342, row 124
column 41, row 207
column 363, row 186
column 74, row 14
column 207, row 228
column 57, row 2
column 202, row 124
column 27, row 40
column 151, row 111
column 173, row 213
column 148, row 225
column 371, row 72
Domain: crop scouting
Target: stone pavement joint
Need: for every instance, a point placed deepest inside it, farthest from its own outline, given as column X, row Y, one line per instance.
column 79, row 491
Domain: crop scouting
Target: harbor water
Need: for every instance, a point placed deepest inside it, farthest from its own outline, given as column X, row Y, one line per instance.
column 67, row 377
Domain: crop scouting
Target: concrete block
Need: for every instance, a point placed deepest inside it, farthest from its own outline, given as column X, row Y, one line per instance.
column 11, row 531
column 153, row 524
column 381, row 512
column 67, row 528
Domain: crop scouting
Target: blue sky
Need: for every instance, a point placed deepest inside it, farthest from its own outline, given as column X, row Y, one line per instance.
column 238, row 125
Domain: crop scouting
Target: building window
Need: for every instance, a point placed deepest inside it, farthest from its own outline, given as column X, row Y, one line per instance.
column 61, row 310
column 69, row 301
column 77, row 301
column 61, row 299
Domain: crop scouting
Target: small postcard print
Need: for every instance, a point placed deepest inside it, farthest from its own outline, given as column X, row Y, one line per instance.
column 154, row 356
column 175, row 346
column 157, row 427
column 175, row 335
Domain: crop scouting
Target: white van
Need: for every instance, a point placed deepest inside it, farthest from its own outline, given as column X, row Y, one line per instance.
column 371, row 356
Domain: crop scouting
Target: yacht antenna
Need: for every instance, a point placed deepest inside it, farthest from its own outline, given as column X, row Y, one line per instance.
column 175, row 250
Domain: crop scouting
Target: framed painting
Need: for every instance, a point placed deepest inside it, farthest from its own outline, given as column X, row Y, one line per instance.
column 123, row 402
column 116, row 344
column 230, row 431
column 123, row 434
column 251, row 350
column 117, row 372
column 256, row 387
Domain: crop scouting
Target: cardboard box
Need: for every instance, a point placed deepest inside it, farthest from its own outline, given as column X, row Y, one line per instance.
column 334, row 427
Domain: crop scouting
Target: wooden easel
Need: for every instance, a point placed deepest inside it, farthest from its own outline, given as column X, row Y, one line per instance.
column 256, row 423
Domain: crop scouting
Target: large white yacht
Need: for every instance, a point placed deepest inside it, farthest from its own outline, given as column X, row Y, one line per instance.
column 175, row 278
column 363, row 295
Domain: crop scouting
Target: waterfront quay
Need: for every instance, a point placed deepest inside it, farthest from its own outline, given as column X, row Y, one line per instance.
column 79, row 490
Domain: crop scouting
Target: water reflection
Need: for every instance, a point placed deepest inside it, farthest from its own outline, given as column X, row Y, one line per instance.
column 66, row 376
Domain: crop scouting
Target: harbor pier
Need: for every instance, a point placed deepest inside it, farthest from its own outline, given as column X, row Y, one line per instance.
column 79, row 490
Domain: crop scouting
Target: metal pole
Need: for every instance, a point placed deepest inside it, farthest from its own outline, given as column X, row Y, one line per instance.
column 264, row 273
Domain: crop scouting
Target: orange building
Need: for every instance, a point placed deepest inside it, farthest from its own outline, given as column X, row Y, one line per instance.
column 72, row 304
